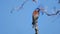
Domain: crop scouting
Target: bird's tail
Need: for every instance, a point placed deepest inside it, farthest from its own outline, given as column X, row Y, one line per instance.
column 33, row 24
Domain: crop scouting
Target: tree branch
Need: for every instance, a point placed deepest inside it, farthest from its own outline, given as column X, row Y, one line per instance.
column 43, row 10
column 56, row 13
column 19, row 7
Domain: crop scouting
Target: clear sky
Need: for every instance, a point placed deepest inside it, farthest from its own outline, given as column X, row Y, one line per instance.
column 20, row 22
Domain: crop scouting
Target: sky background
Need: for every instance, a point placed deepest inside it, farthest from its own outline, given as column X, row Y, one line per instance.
column 20, row 22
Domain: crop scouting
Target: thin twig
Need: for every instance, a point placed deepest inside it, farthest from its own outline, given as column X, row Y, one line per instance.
column 19, row 7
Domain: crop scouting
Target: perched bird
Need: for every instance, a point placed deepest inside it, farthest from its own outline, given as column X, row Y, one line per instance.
column 35, row 16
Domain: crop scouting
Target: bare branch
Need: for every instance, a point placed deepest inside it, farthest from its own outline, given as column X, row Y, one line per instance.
column 19, row 7
column 56, row 13
column 52, row 14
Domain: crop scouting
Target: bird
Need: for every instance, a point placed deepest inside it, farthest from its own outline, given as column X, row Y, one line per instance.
column 35, row 16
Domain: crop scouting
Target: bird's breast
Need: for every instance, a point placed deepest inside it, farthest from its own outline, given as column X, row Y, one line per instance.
column 35, row 13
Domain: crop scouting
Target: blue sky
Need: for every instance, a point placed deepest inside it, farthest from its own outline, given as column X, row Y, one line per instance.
column 20, row 22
